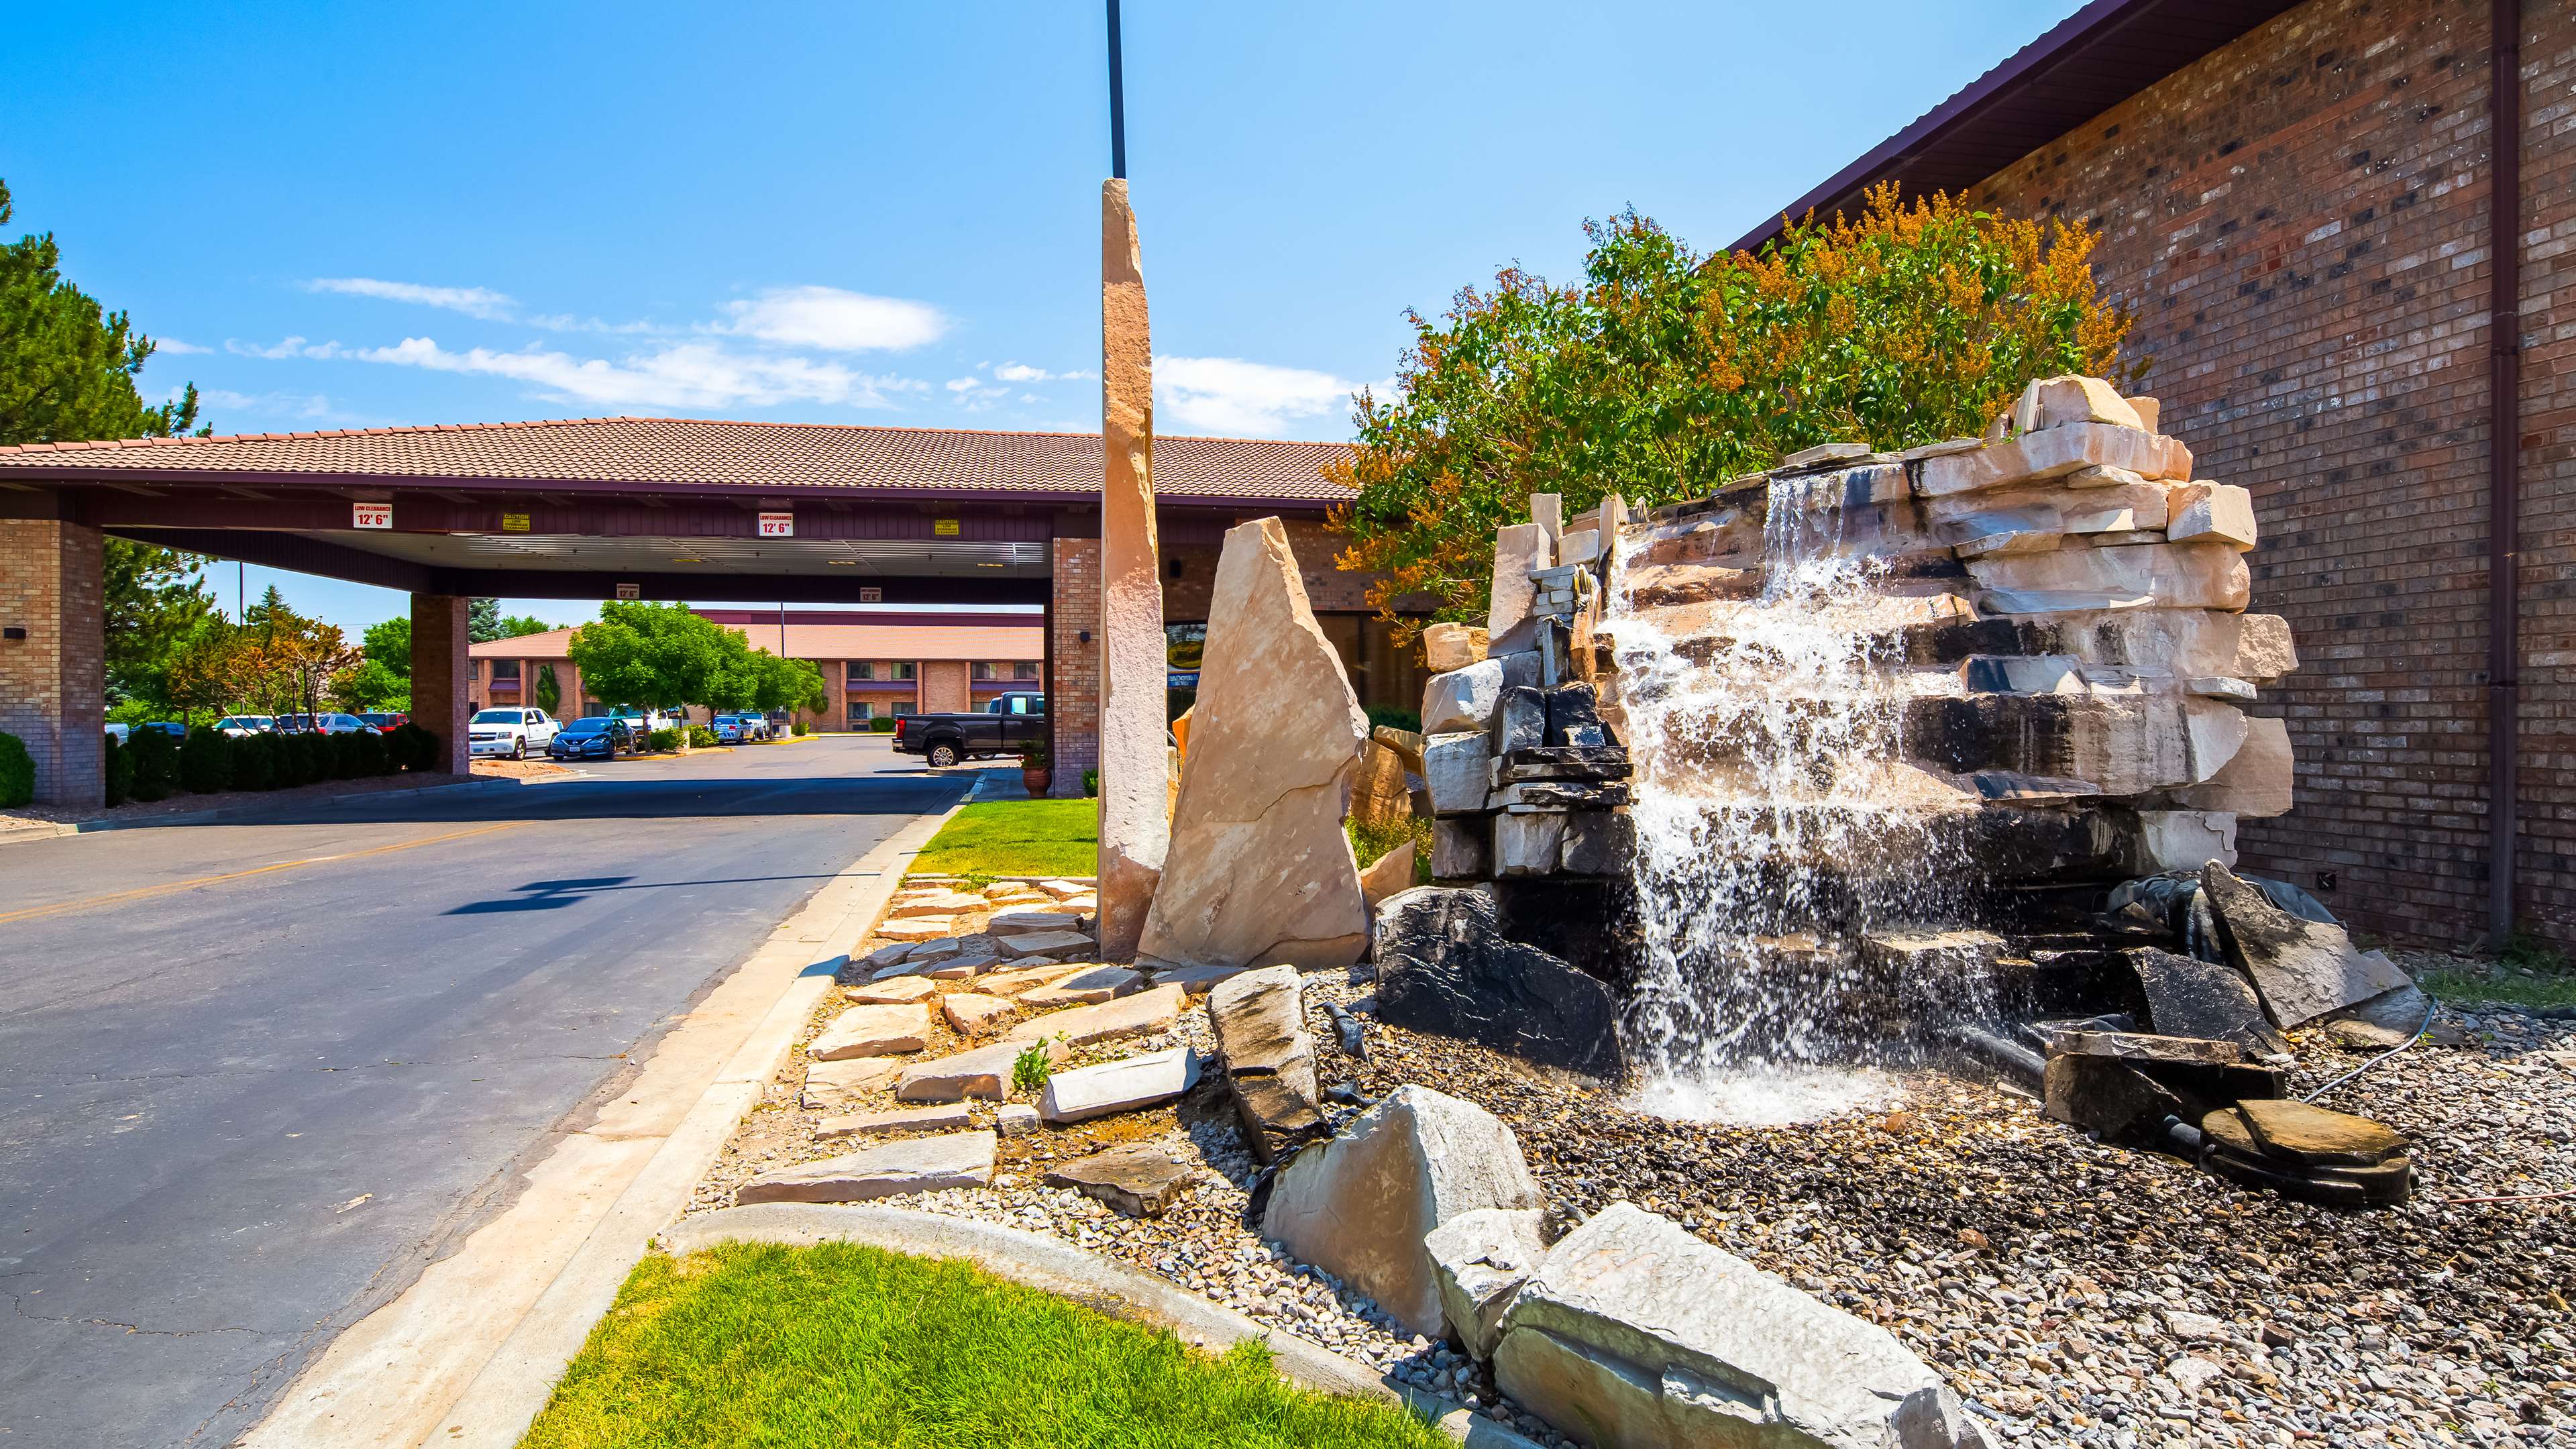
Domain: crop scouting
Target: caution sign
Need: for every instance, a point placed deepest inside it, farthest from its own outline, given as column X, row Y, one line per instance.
column 514, row 523
column 944, row 527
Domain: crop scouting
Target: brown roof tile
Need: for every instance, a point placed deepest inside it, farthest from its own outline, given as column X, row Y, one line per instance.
column 686, row 451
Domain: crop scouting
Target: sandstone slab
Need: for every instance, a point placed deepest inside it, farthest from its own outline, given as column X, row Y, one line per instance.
column 2264, row 649
column 1023, row 922
column 1520, row 549
column 951, row 1117
column 917, row 928
column 1260, row 869
column 2318, row 1137
column 1135, row 821
column 1092, row 984
column 2212, row 512
column 1196, row 980
column 1387, row 874
column 875, row 963
column 893, row 991
column 1459, row 768
column 1043, row 943
column 1152, row 1009
column 965, row 965
column 2257, row 781
column 923, row 1164
column 1360, row 1205
column 1020, row 979
column 1448, row 646
column 940, row 903
column 1380, row 797
column 2184, row 839
column 1064, row 889
column 984, row 1072
column 2055, row 452
column 972, row 1013
column 846, row 1084
column 1462, row 699
column 873, row 1031
column 2050, row 402
column 1260, row 1023
column 2304, row 969
column 1480, row 1260
column 1137, row 1182
column 2194, row 998
column 1015, row 1119
column 1131, row 1084
column 2157, row 575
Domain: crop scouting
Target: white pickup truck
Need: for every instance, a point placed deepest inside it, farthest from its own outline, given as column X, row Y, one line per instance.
column 516, row 733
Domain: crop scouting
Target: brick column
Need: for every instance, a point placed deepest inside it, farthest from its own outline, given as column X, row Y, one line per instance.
column 53, row 682
column 438, row 674
column 1073, row 703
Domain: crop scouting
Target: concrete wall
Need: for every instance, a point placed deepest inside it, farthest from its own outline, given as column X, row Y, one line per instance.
column 53, row 682
column 2300, row 220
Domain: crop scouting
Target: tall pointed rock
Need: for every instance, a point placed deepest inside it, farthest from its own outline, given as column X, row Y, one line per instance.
column 1134, row 772
column 1260, row 872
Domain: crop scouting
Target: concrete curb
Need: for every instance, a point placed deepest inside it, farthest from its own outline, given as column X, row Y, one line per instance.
column 1060, row 1268
column 468, row 1354
column 235, row 812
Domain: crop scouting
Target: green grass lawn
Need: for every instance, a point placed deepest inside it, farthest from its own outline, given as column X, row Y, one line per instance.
column 2472, row 984
column 840, row 1345
column 1016, row 837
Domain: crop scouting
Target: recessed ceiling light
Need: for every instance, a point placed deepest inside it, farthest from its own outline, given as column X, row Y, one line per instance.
column 842, row 563
column 688, row 560
column 992, row 566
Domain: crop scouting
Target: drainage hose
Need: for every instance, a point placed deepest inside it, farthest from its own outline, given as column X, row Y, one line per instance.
column 2432, row 1008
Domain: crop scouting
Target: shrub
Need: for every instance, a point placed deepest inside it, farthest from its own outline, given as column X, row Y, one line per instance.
column 701, row 738
column 120, row 773
column 412, row 747
column 18, row 770
column 255, row 762
column 307, row 759
column 1388, row 715
column 156, row 764
column 359, row 756
column 1031, row 1068
column 883, row 724
column 206, row 761
column 662, row 740
column 1091, row 782
column 800, row 729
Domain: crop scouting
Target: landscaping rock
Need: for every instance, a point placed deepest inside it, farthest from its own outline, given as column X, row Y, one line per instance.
column 1093, row 983
column 2106, row 1095
column 1136, row 1181
column 1458, row 769
column 1462, row 700
column 965, row 965
column 2318, row 1137
column 1480, row 1260
column 984, row 1072
column 2049, row 402
column 937, row 949
column 1015, row 1119
column 1445, row 967
column 873, row 1031
column 875, row 963
column 1043, row 943
column 1634, row 1332
column 893, row 991
column 1129, row 1085
column 1195, row 980
column 1359, row 1205
column 2222, row 512
column 2130, row 1046
column 949, row 1118
column 1024, row 978
column 840, row 1086
column 1380, row 798
column 923, row 1164
column 919, row 928
column 2195, row 998
column 1451, row 646
column 2304, row 969
column 1520, row 549
column 943, row 903
column 1388, row 874
column 974, row 1014
column 1260, row 869
column 1260, row 1022
column 1065, row 889
column 1152, row 1009
column 1030, row 922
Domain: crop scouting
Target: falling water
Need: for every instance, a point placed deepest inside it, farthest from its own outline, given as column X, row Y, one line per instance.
column 1775, row 824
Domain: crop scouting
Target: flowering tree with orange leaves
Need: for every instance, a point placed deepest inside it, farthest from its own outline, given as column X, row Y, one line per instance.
column 1663, row 373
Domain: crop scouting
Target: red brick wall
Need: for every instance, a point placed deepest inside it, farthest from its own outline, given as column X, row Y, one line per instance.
column 2300, row 221
column 1073, row 701
column 53, row 683
column 439, row 668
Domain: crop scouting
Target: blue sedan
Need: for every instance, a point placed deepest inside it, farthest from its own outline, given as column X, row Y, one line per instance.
column 595, row 738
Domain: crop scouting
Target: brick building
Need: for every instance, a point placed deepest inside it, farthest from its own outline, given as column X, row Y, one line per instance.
column 2297, row 201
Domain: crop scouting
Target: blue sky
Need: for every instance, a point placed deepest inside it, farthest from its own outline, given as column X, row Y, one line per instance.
column 357, row 216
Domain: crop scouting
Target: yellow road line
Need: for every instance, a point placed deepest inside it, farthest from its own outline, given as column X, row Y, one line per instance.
column 144, row 892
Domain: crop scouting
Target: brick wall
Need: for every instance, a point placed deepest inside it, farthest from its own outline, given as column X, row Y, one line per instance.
column 1073, row 699
column 53, row 683
column 943, row 687
column 440, row 668
column 2300, row 221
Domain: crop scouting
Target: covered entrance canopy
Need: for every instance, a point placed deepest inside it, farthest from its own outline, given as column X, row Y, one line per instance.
column 599, row 508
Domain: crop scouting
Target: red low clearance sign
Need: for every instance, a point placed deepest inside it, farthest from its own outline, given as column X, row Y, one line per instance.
column 778, row 525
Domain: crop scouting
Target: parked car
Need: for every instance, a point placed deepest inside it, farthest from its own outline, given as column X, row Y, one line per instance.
column 170, row 727
column 645, row 721
column 321, row 724
column 120, row 733
column 511, row 732
column 730, row 729
column 1006, row 726
column 386, row 722
column 592, row 737
column 238, row 725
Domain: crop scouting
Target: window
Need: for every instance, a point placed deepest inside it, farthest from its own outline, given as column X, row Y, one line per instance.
column 905, row 670
column 1025, row 669
column 1034, row 704
column 902, row 707
column 860, row 672
column 860, row 709
column 979, row 670
column 505, row 671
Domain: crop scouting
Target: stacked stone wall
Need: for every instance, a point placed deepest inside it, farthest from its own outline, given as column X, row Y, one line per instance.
column 2300, row 221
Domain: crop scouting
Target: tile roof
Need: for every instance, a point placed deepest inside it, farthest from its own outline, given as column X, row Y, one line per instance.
column 685, row 452
column 893, row 641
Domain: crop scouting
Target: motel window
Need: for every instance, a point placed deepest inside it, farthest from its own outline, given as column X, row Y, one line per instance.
column 906, row 670
column 902, row 707
column 505, row 671
column 861, row 710
column 861, row 670
column 980, row 670
column 1025, row 669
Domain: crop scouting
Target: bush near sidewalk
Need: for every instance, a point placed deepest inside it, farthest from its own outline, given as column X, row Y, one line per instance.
column 841, row 1344
column 17, row 772
column 1016, row 837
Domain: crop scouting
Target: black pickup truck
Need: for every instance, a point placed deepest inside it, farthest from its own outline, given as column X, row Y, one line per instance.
column 1008, row 725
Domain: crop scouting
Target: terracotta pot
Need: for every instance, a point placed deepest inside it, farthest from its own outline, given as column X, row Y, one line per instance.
column 1036, row 779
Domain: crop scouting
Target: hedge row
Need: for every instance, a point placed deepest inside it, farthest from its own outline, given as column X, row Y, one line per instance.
column 151, row 765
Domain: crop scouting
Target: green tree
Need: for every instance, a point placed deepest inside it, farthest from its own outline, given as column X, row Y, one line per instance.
column 519, row 626
column 370, row 684
column 549, row 690
column 482, row 621
column 389, row 644
column 154, row 600
column 1663, row 373
column 67, row 364
column 656, row 655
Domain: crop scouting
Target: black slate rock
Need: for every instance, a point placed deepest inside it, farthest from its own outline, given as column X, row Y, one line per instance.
column 2188, row 997
column 1446, row 969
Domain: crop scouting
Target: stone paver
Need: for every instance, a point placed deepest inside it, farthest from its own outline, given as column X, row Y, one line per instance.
column 920, row 928
column 921, row 1164
column 949, row 1117
column 873, row 1031
column 1129, row 1085
column 984, row 1072
column 841, row 1085
column 893, row 991
column 1150, row 1010
column 1044, row 943
column 1088, row 986
column 974, row 1014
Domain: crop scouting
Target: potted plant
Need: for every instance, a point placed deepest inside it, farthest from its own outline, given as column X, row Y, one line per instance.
column 1034, row 773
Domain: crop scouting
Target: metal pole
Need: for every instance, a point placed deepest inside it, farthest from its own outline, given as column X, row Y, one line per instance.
column 2504, row 466
column 1117, row 102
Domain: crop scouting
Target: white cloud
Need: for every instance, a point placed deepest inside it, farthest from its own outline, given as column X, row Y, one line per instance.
column 566, row 322
column 267, row 404
column 480, row 302
column 1022, row 372
column 961, row 384
column 1227, row 395
column 176, row 347
column 685, row 375
column 834, row 320
column 287, row 347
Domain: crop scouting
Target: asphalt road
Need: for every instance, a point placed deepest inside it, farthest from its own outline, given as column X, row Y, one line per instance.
column 254, row 1077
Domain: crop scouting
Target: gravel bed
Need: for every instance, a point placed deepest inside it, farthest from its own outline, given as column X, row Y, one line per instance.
column 2072, row 1292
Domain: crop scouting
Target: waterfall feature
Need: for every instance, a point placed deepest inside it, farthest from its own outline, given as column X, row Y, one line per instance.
column 1776, row 823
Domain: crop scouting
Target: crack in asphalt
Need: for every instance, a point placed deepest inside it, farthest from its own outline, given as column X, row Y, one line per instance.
column 17, row 1302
